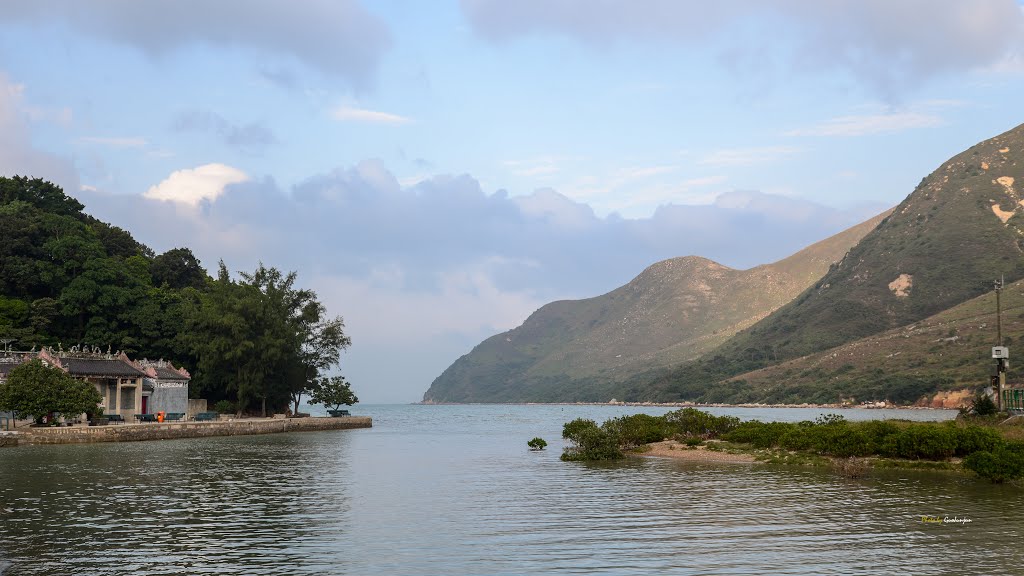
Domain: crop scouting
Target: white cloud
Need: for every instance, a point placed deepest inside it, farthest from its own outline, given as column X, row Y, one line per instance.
column 116, row 141
column 424, row 273
column 868, row 124
column 747, row 156
column 192, row 186
column 349, row 114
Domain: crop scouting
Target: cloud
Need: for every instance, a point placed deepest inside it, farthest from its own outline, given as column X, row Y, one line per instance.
column 747, row 156
column 424, row 272
column 115, row 141
column 350, row 114
column 337, row 37
column 889, row 47
column 18, row 157
column 251, row 138
column 193, row 186
column 868, row 124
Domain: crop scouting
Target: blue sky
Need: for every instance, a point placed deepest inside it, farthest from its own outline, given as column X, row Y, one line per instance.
column 438, row 170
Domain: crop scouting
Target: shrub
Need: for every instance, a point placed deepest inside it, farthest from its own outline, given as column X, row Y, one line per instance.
column 877, row 431
column 224, row 407
column 693, row 422
column 921, row 441
column 971, row 439
column 799, row 437
column 1005, row 462
column 637, row 429
column 590, row 442
column 842, row 441
column 537, row 444
column 759, row 434
column 34, row 390
column 693, row 441
column 982, row 405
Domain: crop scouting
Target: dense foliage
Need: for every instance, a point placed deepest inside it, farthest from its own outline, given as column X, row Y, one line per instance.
column 260, row 342
column 257, row 343
column 34, row 390
column 983, row 449
column 333, row 392
column 607, row 441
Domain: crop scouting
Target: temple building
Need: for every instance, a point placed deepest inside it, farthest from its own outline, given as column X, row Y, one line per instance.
column 127, row 387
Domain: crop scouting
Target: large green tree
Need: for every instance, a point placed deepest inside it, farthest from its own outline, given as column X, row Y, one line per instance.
column 261, row 342
column 35, row 390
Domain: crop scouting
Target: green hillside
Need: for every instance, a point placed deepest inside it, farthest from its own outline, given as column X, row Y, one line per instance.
column 948, row 351
column 257, row 343
column 674, row 311
column 960, row 229
column 66, row 277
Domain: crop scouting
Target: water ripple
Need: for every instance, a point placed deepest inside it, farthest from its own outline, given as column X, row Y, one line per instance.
column 453, row 490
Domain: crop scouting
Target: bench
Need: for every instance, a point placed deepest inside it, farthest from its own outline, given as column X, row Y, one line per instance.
column 173, row 416
column 114, row 418
column 146, row 417
column 337, row 413
column 206, row 417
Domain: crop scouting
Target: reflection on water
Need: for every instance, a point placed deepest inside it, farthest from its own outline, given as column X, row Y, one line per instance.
column 454, row 490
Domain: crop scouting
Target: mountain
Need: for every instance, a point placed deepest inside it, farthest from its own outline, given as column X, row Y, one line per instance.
column 673, row 311
column 961, row 228
column 949, row 351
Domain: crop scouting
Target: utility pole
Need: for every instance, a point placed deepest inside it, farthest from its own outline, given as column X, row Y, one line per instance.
column 1000, row 352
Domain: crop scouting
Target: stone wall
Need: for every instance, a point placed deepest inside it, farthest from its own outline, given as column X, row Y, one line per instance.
column 169, row 397
column 172, row 430
column 8, row 439
column 195, row 406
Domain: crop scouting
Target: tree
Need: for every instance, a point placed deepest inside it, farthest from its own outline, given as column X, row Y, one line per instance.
column 537, row 444
column 333, row 392
column 261, row 341
column 178, row 268
column 35, row 390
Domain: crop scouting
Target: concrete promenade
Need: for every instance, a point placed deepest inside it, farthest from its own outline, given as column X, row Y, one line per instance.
column 172, row 430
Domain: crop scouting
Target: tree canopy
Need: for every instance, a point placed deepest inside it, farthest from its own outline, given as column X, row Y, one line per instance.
column 259, row 342
column 333, row 392
column 34, row 390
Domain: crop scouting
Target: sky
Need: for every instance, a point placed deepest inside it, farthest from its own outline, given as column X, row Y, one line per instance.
column 436, row 171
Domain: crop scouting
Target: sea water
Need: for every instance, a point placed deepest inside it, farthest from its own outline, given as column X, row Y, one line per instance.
column 454, row 490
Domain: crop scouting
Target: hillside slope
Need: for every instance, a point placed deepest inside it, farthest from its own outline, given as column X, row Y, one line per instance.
column 674, row 311
column 962, row 227
column 948, row 351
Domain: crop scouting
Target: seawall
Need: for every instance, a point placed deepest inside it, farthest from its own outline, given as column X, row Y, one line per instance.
column 174, row 430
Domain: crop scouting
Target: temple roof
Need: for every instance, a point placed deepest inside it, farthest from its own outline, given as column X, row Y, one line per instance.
column 99, row 367
column 164, row 373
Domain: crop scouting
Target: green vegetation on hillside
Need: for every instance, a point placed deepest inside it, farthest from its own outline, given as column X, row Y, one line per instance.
column 674, row 311
column 257, row 343
column 948, row 351
column 959, row 230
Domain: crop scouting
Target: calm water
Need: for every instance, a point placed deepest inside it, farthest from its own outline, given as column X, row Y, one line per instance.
column 453, row 490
